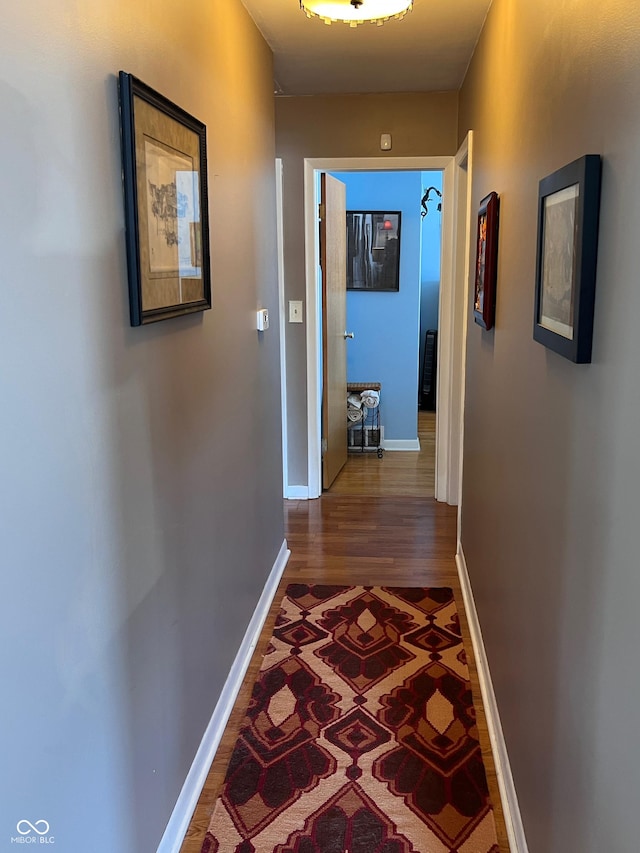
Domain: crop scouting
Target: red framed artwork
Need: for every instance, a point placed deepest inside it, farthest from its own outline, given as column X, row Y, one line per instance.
column 484, row 296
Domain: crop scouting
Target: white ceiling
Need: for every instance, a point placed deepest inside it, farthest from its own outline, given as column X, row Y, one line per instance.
column 428, row 50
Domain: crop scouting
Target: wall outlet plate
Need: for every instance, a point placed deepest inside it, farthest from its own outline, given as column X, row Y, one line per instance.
column 385, row 142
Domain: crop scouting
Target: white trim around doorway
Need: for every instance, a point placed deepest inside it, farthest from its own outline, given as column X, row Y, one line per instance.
column 282, row 327
column 462, row 274
column 446, row 447
column 453, row 322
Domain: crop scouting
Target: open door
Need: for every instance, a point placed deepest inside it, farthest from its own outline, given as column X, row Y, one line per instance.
column 333, row 263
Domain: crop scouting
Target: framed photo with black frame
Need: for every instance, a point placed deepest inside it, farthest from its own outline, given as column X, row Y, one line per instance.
column 164, row 157
column 373, row 250
column 568, row 216
column 484, row 294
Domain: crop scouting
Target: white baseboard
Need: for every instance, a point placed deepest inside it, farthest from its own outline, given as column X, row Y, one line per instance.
column 401, row 444
column 510, row 807
column 297, row 493
column 176, row 829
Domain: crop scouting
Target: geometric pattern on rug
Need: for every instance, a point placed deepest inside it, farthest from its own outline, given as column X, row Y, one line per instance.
column 365, row 644
column 360, row 735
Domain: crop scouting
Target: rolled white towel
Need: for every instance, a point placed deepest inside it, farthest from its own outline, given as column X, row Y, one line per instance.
column 354, row 415
column 355, row 401
column 370, row 399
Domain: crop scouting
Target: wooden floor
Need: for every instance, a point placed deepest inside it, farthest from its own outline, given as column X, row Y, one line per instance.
column 398, row 472
column 359, row 538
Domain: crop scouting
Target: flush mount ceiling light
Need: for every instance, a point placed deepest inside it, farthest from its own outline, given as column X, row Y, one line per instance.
column 354, row 12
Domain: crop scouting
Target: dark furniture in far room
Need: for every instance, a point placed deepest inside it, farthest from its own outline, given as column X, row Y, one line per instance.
column 429, row 371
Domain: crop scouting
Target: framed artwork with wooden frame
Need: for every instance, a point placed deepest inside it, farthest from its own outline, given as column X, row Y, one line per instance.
column 484, row 294
column 164, row 158
column 568, row 214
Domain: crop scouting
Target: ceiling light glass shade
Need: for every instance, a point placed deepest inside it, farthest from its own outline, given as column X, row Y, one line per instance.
column 354, row 13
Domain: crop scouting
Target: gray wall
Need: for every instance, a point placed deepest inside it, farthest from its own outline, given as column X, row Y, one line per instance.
column 551, row 463
column 140, row 507
column 341, row 126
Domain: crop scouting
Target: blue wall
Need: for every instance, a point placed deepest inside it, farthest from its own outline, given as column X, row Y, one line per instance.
column 430, row 261
column 386, row 325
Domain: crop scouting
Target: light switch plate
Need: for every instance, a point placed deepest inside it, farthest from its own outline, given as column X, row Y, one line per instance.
column 295, row 311
column 385, row 142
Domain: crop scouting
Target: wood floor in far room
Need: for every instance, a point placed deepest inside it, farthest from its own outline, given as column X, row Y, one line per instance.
column 398, row 472
column 360, row 538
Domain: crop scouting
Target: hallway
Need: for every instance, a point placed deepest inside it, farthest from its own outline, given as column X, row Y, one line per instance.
column 369, row 539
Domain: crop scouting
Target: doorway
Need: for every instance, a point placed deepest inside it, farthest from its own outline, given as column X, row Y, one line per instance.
column 393, row 279
column 452, row 310
column 456, row 209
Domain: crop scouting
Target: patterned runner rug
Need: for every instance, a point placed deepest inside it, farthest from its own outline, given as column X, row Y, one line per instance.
column 360, row 735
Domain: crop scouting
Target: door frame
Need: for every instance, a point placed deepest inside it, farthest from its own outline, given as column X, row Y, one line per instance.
column 454, row 316
column 464, row 274
column 452, row 301
column 282, row 317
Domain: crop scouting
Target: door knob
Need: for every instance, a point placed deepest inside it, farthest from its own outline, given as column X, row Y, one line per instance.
column 348, row 335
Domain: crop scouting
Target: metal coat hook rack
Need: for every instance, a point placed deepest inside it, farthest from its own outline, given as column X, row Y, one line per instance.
column 426, row 198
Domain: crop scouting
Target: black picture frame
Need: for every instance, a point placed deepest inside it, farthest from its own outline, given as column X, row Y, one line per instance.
column 164, row 169
column 373, row 250
column 484, row 292
column 568, row 219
